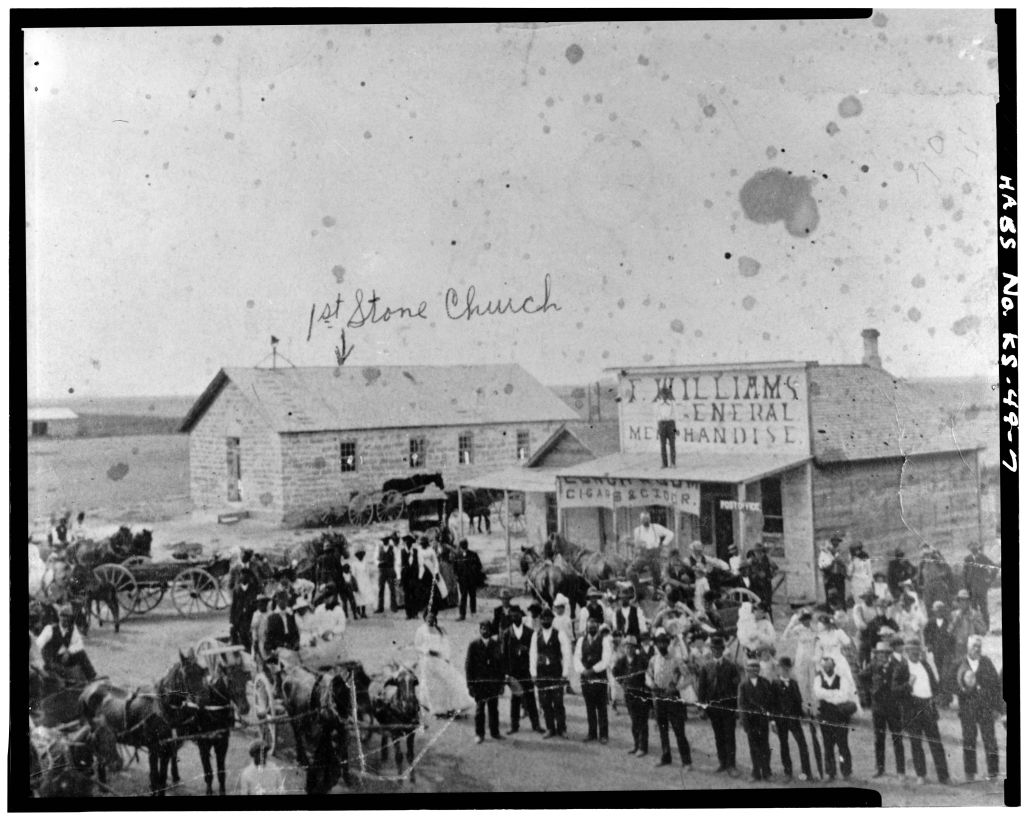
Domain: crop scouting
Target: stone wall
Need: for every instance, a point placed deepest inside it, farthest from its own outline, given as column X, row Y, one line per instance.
column 231, row 415
column 898, row 503
column 311, row 462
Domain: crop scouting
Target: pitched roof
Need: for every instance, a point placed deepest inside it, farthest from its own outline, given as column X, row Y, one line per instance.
column 46, row 413
column 350, row 398
column 597, row 438
column 859, row 412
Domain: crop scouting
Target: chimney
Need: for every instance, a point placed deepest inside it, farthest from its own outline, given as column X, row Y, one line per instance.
column 871, row 357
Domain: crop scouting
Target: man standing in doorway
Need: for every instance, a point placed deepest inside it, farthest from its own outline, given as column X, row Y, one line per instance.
column 648, row 539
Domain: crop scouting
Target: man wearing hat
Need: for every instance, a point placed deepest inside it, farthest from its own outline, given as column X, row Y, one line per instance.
column 258, row 625
column 550, row 656
column 965, row 622
column 485, row 679
column 899, row 571
column 469, row 573
column 835, row 698
column 833, row 568
column 62, row 646
column 631, row 619
column 761, row 570
column 328, row 567
column 863, row 613
column 594, row 609
column 788, row 712
column 920, row 716
column 719, row 682
column 889, row 677
column 386, row 558
column 243, row 605
column 515, row 652
column 631, row 672
column 754, row 703
column 409, row 570
column 502, row 619
column 329, row 623
column 980, row 696
column 261, row 776
column 935, row 574
column 667, row 677
column 939, row 641
column 980, row 573
column 591, row 661
column 282, row 631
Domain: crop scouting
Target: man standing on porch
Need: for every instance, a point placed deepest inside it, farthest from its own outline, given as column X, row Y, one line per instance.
column 648, row 539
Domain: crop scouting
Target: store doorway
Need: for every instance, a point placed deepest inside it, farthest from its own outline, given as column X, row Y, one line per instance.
column 715, row 523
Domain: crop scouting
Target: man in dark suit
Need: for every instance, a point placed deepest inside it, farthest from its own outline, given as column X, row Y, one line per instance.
column 900, row 570
column 550, row 654
column 980, row 573
column 761, row 570
column 409, row 576
column 469, row 571
column 888, row 677
column 282, row 633
column 939, row 640
column 593, row 656
column 515, row 650
column 485, row 679
column 503, row 612
column 980, row 693
column 788, row 712
column 387, row 557
column 920, row 716
column 717, row 690
column 243, row 605
column 754, row 703
column 631, row 672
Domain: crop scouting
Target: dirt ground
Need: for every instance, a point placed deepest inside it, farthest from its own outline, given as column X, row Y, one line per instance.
column 150, row 493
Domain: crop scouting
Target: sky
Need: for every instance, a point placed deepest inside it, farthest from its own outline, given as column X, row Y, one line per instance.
column 688, row 192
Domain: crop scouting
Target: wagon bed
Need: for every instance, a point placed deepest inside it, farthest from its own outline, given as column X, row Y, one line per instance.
column 195, row 584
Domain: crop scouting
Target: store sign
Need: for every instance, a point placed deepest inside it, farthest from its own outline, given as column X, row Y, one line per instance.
column 743, row 507
column 613, row 492
column 760, row 409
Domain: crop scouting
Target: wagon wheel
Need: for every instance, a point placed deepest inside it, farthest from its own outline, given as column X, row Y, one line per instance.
column 360, row 509
column 391, row 506
column 516, row 524
column 223, row 598
column 148, row 596
column 264, row 709
column 194, row 590
column 124, row 586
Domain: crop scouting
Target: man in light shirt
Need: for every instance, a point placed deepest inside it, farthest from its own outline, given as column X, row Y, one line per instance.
column 667, row 677
column 562, row 620
column 550, row 656
column 648, row 539
column 920, row 716
column 593, row 656
column 980, row 696
column 62, row 647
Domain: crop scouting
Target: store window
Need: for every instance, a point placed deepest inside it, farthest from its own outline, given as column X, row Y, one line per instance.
column 523, row 445
column 418, row 452
column 348, row 456
column 466, row 448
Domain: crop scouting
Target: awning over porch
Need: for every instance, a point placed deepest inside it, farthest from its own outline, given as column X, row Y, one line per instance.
column 693, row 467
column 527, row 480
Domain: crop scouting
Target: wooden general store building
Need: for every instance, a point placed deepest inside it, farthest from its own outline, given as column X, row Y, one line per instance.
column 783, row 452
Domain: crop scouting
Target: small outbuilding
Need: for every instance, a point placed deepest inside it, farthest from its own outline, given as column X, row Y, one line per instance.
column 52, row 422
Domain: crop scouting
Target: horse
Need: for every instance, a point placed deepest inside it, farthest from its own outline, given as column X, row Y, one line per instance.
column 594, row 566
column 117, row 548
column 87, row 592
column 147, row 719
column 548, row 579
column 223, row 693
column 396, row 709
column 320, row 706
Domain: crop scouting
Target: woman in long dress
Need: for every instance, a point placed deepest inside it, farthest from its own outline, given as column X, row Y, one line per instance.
column 363, row 590
column 442, row 690
column 859, row 573
column 801, row 629
column 432, row 585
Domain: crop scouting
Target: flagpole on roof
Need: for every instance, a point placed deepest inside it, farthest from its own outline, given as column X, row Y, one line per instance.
column 273, row 349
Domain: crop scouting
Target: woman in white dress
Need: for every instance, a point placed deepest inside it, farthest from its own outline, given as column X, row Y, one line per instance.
column 834, row 643
column 363, row 593
column 442, row 689
column 859, row 572
column 801, row 629
column 432, row 583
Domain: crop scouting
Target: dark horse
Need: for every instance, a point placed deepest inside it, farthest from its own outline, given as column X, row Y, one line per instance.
column 397, row 710
column 87, row 592
column 147, row 719
column 546, row 579
column 321, row 708
column 223, row 692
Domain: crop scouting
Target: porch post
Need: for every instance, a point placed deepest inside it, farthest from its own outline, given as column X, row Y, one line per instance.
column 462, row 533
column 508, row 536
column 741, row 495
